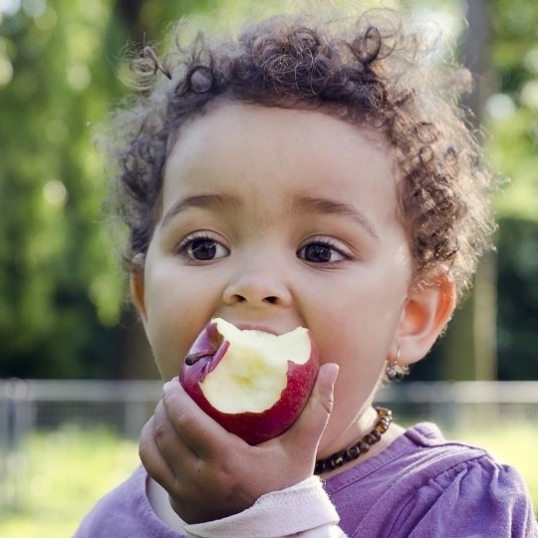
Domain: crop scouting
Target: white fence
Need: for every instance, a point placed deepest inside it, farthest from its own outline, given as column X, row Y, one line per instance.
column 123, row 407
column 26, row 406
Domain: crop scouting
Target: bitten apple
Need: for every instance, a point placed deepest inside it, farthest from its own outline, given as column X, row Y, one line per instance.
column 254, row 383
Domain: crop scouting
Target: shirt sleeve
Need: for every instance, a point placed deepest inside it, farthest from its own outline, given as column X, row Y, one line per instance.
column 303, row 510
column 476, row 499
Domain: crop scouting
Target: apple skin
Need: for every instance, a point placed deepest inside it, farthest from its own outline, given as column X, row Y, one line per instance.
column 254, row 428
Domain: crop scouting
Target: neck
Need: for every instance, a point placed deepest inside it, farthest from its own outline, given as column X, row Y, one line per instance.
column 373, row 432
column 360, row 426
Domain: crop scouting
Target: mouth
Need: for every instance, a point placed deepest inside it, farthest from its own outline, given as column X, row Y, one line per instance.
column 211, row 342
column 257, row 327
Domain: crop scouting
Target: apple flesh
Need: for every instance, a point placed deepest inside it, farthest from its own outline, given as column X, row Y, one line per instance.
column 254, row 383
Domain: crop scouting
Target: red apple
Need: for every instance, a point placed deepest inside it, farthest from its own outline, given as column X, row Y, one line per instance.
column 254, row 383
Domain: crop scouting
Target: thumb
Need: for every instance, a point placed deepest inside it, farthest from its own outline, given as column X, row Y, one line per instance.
column 305, row 434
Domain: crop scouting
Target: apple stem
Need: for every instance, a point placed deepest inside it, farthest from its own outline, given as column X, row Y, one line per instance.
column 195, row 357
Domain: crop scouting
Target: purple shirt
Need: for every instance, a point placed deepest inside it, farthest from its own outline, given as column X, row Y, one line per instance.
column 421, row 486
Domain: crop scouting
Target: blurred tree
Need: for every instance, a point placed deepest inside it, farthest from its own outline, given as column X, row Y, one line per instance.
column 61, row 290
column 470, row 348
column 505, row 101
column 512, row 119
column 518, row 299
column 59, row 294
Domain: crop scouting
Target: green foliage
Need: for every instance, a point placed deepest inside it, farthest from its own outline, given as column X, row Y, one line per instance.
column 58, row 288
column 55, row 478
column 513, row 125
column 517, row 338
column 513, row 112
column 62, row 293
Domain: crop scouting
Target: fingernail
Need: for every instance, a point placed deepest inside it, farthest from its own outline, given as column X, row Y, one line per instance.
column 335, row 370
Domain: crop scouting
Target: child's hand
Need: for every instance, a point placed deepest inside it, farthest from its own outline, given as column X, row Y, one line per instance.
column 209, row 473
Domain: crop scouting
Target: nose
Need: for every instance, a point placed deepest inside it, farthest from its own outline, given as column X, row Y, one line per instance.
column 258, row 283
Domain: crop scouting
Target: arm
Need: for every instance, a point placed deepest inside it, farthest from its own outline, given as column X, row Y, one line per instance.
column 210, row 474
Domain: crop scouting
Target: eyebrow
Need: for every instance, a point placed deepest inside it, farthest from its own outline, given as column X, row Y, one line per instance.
column 204, row 201
column 326, row 206
column 302, row 204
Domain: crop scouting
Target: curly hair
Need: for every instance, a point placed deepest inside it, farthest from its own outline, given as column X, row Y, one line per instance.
column 366, row 71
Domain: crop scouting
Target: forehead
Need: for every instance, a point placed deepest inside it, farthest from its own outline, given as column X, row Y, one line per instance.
column 263, row 153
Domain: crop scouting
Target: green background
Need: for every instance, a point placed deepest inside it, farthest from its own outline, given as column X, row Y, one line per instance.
column 64, row 311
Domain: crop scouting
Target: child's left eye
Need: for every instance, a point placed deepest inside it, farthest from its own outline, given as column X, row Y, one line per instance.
column 320, row 252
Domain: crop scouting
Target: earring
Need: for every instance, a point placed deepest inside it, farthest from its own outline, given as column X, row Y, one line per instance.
column 138, row 261
column 394, row 371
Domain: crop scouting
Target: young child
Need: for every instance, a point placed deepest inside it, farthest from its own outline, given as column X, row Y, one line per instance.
column 312, row 173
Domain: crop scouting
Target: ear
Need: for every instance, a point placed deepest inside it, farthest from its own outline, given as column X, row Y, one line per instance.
column 427, row 311
column 137, row 286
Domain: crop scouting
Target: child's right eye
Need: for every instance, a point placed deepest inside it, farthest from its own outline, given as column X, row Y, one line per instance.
column 202, row 248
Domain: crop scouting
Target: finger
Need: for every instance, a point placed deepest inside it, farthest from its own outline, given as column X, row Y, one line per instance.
column 204, row 436
column 304, row 436
column 171, row 445
column 151, row 457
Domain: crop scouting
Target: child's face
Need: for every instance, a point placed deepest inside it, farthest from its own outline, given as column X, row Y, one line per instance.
column 275, row 218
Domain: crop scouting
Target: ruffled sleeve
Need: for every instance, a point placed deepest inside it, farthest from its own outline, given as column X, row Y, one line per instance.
column 303, row 510
column 476, row 498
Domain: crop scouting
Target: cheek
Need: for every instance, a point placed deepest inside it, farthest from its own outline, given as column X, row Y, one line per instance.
column 176, row 313
column 361, row 357
column 355, row 329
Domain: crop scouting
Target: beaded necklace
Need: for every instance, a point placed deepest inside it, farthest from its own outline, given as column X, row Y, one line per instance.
column 343, row 456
